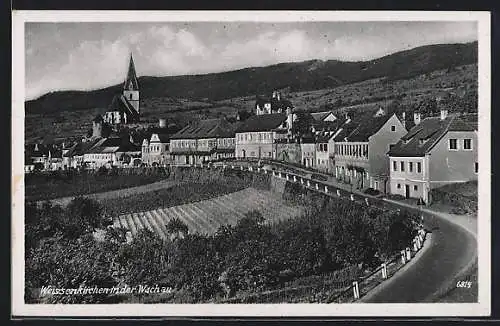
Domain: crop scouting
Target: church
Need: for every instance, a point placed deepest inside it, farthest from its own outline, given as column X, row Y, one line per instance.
column 125, row 107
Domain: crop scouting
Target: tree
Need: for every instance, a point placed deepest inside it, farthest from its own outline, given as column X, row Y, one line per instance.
column 303, row 123
column 176, row 228
column 83, row 215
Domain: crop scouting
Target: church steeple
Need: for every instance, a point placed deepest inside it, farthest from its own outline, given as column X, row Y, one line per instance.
column 131, row 87
column 131, row 80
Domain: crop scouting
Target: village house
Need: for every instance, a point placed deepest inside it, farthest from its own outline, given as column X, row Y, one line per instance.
column 323, row 116
column 361, row 147
column 202, row 141
column 308, row 151
column 73, row 156
column 437, row 151
column 257, row 136
column 124, row 108
column 323, row 151
column 110, row 152
column 46, row 157
column 275, row 104
column 156, row 151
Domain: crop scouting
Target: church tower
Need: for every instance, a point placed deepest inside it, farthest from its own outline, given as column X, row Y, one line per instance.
column 131, row 87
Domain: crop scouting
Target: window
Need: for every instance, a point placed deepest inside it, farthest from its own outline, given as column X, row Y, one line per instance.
column 399, row 186
column 453, row 144
column 325, row 147
column 476, row 167
column 395, row 165
column 419, row 167
column 410, row 166
column 402, row 166
column 393, row 128
column 467, row 144
column 415, row 187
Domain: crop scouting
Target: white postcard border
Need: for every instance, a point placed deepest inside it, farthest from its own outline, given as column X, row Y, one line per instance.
column 19, row 308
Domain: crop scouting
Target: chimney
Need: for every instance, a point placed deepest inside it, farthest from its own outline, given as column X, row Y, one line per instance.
column 274, row 94
column 278, row 96
column 162, row 123
column 416, row 117
column 404, row 119
column 36, row 147
column 444, row 114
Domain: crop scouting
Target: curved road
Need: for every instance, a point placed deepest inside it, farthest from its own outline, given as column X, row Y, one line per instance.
column 433, row 276
column 452, row 250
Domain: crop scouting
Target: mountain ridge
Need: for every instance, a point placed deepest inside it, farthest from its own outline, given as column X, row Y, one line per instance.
column 306, row 75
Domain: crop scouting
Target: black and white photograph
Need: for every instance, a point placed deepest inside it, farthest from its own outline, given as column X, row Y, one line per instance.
column 251, row 163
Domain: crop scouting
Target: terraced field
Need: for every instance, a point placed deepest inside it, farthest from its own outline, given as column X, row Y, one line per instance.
column 207, row 215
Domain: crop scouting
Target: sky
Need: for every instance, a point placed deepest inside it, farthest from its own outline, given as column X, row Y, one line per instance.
column 92, row 55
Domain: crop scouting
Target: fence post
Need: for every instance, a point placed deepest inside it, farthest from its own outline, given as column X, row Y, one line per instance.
column 403, row 257
column 265, row 171
column 415, row 246
column 352, row 197
column 408, row 254
column 338, row 192
column 287, row 177
column 242, row 168
column 301, row 181
column 355, row 288
column 326, row 189
column 384, row 270
column 366, row 201
column 294, row 178
column 308, row 183
column 317, row 186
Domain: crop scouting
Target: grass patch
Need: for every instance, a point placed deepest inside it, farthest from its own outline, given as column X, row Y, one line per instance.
column 458, row 198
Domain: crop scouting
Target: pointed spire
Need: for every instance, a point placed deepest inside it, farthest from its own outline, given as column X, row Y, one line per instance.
column 131, row 81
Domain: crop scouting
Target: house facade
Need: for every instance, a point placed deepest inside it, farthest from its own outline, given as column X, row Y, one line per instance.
column 361, row 148
column 322, row 155
column 257, row 136
column 203, row 141
column 109, row 152
column 437, row 151
column 156, row 150
column 308, row 151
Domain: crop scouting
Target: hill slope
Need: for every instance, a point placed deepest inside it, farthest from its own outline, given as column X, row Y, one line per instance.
column 300, row 76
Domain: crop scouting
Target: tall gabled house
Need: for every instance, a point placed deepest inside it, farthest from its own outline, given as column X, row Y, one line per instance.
column 361, row 147
column 437, row 151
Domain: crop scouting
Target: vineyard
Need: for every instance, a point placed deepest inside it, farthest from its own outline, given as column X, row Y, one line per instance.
column 207, row 215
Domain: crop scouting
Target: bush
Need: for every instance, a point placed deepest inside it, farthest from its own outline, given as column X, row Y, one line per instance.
column 372, row 192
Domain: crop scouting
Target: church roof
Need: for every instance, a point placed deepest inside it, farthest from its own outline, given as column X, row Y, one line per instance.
column 120, row 103
column 131, row 80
